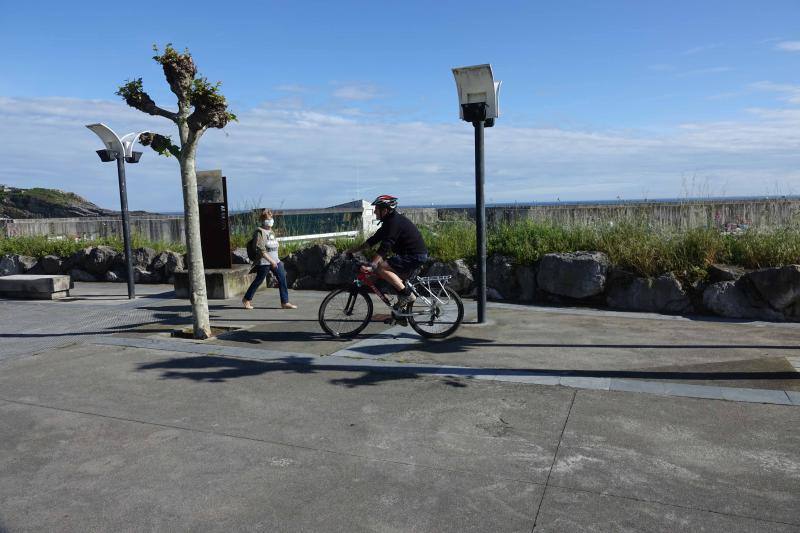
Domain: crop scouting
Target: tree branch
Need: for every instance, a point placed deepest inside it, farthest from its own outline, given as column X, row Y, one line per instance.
column 179, row 69
column 134, row 96
column 160, row 143
column 210, row 107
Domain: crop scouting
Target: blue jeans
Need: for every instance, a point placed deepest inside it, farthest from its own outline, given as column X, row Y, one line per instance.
column 261, row 275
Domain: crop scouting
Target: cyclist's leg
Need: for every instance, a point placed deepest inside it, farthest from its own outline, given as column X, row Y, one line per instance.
column 387, row 273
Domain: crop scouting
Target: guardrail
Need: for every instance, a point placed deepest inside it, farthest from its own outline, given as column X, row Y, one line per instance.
column 348, row 234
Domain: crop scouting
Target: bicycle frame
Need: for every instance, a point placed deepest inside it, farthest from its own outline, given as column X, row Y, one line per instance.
column 434, row 287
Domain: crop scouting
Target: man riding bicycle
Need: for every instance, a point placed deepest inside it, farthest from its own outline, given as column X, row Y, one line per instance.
column 401, row 237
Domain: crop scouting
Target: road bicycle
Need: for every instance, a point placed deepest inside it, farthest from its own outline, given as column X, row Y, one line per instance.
column 436, row 313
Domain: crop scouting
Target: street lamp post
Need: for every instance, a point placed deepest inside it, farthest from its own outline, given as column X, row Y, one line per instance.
column 477, row 98
column 121, row 150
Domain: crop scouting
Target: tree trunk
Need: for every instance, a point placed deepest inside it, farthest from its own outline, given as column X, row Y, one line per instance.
column 191, row 212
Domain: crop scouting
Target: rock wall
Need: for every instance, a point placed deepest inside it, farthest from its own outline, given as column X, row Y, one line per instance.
column 577, row 278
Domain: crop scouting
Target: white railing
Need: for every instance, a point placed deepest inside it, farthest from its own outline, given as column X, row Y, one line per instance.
column 338, row 234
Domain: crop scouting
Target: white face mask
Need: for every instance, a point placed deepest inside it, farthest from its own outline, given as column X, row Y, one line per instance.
column 268, row 223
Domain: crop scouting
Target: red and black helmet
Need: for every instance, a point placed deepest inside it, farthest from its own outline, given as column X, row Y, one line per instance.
column 386, row 200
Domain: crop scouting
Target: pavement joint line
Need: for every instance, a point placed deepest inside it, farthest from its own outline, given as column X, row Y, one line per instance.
column 392, row 336
column 676, row 505
column 349, row 363
column 555, row 458
column 637, row 315
column 267, row 441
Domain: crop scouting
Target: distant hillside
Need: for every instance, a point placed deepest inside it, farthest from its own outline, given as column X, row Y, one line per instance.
column 47, row 203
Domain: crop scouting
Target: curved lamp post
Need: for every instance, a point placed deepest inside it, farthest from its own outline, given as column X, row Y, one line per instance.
column 121, row 150
column 477, row 98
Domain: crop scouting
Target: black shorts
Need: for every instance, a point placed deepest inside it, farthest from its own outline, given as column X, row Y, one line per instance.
column 405, row 264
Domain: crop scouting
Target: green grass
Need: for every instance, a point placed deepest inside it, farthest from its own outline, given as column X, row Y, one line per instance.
column 636, row 247
column 41, row 246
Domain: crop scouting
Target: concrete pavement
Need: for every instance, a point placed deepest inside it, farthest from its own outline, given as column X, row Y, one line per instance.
column 115, row 426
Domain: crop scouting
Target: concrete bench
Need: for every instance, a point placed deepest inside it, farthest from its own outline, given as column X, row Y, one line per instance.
column 221, row 283
column 35, row 287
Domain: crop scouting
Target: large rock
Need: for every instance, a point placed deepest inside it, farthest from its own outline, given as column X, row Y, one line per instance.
column 779, row 287
column 99, row 259
column 142, row 257
column 115, row 276
column 341, row 271
column 140, row 275
column 309, row 283
column 239, row 257
column 500, row 276
column 663, row 294
column 574, row 275
column 308, row 263
column 76, row 274
column 526, row 279
column 719, row 272
column 312, row 261
column 165, row 264
column 12, row 264
column 51, row 264
column 461, row 279
column 733, row 299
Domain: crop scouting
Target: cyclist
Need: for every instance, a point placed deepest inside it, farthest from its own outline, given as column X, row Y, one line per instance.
column 401, row 237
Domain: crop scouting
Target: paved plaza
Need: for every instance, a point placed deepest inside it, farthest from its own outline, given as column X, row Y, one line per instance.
column 544, row 419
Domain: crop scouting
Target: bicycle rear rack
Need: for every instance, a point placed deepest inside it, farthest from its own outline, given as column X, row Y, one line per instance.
column 434, row 287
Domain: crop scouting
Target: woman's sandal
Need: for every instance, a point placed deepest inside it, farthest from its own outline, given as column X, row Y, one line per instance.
column 246, row 304
column 288, row 305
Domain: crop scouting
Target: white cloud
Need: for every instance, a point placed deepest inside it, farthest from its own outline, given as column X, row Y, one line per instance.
column 788, row 46
column 791, row 93
column 702, row 71
column 304, row 157
column 699, row 49
column 357, row 91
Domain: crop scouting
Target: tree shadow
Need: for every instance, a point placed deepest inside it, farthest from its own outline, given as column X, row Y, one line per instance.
column 461, row 344
column 212, row 369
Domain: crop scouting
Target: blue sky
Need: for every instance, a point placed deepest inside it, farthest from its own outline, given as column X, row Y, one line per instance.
column 352, row 99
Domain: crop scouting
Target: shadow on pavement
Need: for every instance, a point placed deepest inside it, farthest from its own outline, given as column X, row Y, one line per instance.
column 220, row 369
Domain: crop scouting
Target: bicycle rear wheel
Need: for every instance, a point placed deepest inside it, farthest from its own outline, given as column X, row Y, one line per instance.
column 436, row 314
column 345, row 312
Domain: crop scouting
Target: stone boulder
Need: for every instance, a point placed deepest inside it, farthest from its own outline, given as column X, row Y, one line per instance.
column 734, row 299
column 663, row 294
column 308, row 264
column 526, row 279
column 165, row 264
column 116, row 276
column 239, row 257
column 461, row 280
column 719, row 272
column 574, row 275
column 140, row 275
column 500, row 276
column 11, row 264
column 142, row 257
column 342, row 271
column 77, row 274
column 314, row 259
column 779, row 287
column 51, row 264
column 98, row 260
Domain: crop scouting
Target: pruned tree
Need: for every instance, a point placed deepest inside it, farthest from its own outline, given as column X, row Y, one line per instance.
column 200, row 106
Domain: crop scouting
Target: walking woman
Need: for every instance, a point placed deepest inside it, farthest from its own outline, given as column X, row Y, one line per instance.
column 267, row 245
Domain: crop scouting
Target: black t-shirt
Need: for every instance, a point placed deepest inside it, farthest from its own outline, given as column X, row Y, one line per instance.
column 399, row 235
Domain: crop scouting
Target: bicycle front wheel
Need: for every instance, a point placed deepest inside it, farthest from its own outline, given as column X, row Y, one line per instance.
column 345, row 312
column 436, row 314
